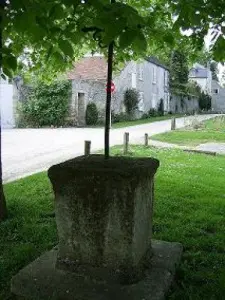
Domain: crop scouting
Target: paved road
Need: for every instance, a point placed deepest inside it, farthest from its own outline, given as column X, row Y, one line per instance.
column 213, row 147
column 27, row 151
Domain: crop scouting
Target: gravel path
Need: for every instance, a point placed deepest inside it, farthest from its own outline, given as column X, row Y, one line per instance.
column 28, row 151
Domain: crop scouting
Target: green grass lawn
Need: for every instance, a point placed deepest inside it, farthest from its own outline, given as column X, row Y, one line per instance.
column 189, row 208
column 143, row 121
column 210, row 131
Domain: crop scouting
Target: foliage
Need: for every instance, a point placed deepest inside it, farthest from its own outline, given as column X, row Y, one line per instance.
column 145, row 116
column 46, row 105
column 161, row 107
column 91, row 116
column 178, row 73
column 75, row 26
column 210, row 17
column 131, row 100
column 193, row 89
column 204, row 58
column 120, row 117
column 152, row 112
column 205, row 101
column 72, row 28
column 214, row 70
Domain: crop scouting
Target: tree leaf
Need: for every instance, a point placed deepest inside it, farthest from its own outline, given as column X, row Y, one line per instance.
column 7, row 72
column 126, row 38
column 140, row 43
column 11, row 62
column 66, row 48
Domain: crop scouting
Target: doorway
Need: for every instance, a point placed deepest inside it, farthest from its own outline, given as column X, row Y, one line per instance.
column 81, row 109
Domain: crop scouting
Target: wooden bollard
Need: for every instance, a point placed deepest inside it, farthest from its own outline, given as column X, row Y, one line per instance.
column 87, row 148
column 146, row 140
column 173, row 124
column 125, row 142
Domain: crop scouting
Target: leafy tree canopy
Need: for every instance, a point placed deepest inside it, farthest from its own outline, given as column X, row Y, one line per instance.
column 214, row 69
column 178, row 72
column 60, row 30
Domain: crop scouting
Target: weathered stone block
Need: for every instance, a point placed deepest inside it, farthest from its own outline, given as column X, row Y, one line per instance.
column 104, row 215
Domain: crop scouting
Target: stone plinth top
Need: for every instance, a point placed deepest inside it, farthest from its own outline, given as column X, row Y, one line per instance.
column 125, row 166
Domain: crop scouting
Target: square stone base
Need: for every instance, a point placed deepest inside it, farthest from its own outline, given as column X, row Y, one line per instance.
column 41, row 280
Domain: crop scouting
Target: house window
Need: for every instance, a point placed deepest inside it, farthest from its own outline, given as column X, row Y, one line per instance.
column 216, row 91
column 133, row 80
column 154, row 75
column 154, row 101
column 141, row 101
column 165, row 78
column 141, row 72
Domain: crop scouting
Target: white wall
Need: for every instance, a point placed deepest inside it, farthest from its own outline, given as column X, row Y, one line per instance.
column 204, row 83
column 6, row 103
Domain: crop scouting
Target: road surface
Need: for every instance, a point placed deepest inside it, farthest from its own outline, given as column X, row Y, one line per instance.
column 28, row 151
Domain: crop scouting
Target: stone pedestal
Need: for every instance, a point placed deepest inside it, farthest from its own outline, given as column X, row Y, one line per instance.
column 104, row 220
column 104, row 215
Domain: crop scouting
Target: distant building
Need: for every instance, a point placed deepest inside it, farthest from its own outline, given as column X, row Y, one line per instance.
column 203, row 77
column 89, row 76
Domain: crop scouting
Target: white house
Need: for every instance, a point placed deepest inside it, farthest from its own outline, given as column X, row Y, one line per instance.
column 203, row 77
column 6, row 102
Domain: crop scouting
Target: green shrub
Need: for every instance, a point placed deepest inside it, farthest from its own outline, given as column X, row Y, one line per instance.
column 161, row 108
column 131, row 100
column 205, row 101
column 91, row 114
column 46, row 105
column 144, row 116
column 120, row 117
column 152, row 112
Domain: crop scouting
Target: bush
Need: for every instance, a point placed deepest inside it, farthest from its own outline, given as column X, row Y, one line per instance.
column 144, row 116
column 46, row 105
column 120, row 117
column 152, row 112
column 91, row 114
column 205, row 101
column 131, row 100
column 161, row 108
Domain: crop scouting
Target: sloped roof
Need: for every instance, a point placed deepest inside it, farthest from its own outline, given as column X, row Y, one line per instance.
column 155, row 61
column 198, row 73
column 89, row 68
column 95, row 68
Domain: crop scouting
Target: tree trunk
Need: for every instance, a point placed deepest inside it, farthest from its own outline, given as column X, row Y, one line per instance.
column 108, row 96
column 3, row 210
column 108, row 99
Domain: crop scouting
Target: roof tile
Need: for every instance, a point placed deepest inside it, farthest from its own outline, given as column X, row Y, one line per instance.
column 89, row 68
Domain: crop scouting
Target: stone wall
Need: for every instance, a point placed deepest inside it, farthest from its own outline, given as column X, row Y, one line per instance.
column 218, row 99
column 93, row 91
column 177, row 105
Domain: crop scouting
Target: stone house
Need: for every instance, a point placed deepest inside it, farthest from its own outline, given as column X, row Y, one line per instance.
column 203, row 77
column 218, row 97
column 89, row 77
